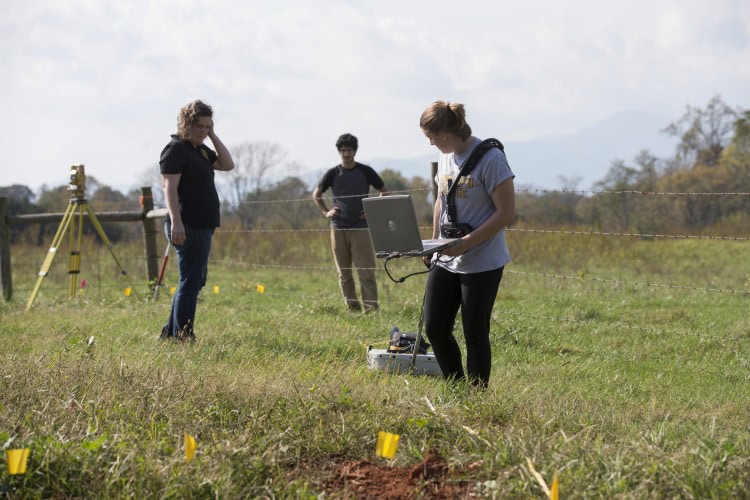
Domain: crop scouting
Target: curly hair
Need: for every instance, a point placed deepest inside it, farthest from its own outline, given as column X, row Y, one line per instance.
column 189, row 114
column 442, row 116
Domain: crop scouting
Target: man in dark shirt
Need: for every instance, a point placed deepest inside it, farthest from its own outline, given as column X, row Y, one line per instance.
column 350, row 181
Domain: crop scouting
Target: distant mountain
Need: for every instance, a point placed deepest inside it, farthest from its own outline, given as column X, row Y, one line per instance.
column 586, row 154
column 589, row 153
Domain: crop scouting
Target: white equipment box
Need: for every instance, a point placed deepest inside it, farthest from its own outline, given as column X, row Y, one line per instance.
column 381, row 359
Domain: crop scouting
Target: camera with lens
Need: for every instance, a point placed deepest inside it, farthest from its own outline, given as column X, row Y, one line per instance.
column 458, row 230
column 452, row 229
column 77, row 182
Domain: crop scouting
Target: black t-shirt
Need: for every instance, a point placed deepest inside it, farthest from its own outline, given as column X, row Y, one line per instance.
column 196, row 192
column 349, row 186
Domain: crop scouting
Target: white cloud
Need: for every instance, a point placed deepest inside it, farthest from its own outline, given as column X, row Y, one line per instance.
column 101, row 82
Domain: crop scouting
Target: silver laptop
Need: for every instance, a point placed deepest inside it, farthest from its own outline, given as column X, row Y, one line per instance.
column 394, row 230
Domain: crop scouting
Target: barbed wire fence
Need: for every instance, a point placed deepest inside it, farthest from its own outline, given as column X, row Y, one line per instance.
column 610, row 281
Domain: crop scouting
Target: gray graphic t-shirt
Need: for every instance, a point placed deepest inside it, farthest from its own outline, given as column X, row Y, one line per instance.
column 474, row 206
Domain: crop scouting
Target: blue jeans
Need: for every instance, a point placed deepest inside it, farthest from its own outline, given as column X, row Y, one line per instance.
column 192, row 264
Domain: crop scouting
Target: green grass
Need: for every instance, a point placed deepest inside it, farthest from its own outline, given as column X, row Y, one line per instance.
column 623, row 389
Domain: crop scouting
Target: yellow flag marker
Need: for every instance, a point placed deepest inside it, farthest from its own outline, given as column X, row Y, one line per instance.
column 554, row 491
column 387, row 444
column 216, row 289
column 17, row 460
column 172, row 290
column 189, row 447
column 127, row 292
column 260, row 288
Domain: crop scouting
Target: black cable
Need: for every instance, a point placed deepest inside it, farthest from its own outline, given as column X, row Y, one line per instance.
column 396, row 255
column 403, row 278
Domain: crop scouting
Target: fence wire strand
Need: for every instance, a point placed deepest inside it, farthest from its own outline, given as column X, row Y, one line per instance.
column 517, row 230
column 518, row 190
column 519, row 273
column 537, row 317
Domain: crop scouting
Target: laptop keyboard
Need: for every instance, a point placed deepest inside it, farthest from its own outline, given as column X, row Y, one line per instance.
column 428, row 244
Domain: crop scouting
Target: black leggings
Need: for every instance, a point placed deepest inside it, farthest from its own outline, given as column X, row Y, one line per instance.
column 475, row 295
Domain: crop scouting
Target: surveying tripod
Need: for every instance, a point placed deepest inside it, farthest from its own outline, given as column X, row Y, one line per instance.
column 78, row 203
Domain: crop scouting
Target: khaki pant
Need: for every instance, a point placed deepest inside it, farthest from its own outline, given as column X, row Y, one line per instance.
column 354, row 246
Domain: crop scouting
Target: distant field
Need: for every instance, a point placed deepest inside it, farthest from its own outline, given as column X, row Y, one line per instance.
column 622, row 365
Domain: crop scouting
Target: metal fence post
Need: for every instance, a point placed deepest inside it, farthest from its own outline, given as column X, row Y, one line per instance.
column 6, row 279
column 433, row 171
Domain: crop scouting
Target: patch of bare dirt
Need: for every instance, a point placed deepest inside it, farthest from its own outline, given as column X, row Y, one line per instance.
column 362, row 479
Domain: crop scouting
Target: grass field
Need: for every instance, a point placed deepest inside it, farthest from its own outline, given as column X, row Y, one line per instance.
column 621, row 365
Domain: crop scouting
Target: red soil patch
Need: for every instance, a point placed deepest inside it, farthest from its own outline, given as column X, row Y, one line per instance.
column 366, row 479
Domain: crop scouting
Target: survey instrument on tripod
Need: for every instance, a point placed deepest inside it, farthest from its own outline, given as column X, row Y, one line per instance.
column 72, row 223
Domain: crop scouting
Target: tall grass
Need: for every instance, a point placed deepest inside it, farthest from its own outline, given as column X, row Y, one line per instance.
column 623, row 387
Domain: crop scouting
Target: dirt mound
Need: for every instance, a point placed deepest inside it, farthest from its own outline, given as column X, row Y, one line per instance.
column 366, row 479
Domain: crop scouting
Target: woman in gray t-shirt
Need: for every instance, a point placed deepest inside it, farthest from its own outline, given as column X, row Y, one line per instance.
column 466, row 276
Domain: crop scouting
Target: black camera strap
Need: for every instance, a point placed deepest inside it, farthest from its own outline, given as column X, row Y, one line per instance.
column 466, row 169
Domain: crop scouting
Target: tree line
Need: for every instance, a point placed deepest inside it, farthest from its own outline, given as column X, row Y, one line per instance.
column 251, row 199
column 712, row 156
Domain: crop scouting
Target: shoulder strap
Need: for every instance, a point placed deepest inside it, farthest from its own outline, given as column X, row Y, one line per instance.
column 466, row 169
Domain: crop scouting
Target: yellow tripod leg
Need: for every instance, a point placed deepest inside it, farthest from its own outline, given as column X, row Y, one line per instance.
column 61, row 229
column 75, row 253
column 104, row 238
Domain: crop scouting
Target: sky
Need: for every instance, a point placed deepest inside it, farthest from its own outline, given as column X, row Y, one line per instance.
column 101, row 83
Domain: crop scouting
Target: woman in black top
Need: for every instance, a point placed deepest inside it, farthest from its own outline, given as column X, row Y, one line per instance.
column 187, row 171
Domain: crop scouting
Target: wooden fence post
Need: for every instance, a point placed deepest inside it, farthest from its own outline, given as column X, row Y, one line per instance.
column 6, row 280
column 149, row 235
